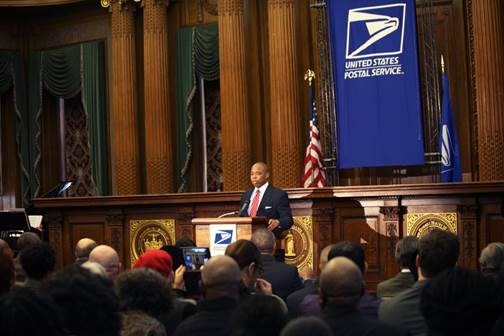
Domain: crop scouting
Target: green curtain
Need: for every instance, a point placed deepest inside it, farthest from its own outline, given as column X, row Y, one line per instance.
column 34, row 114
column 61, row 71
column 93, row 99
column 197, row 57
column 11, row 74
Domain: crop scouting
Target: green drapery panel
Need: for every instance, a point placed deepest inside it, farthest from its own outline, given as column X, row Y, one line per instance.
column 11, row 74
column 197, row 56
column 93, row 98
column 59, row 71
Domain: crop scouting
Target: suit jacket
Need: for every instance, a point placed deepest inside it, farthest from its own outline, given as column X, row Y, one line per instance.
column 274, row 204
column 294, row 300
column 403, row 310
column 347, row 320
column 284, row 278
column 393, row 286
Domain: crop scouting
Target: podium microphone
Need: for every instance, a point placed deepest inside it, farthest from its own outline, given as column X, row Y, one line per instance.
column 232, row 213
column 244, row 207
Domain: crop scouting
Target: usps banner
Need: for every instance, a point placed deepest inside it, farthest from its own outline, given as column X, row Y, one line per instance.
column 221, row 235
column 378, row 102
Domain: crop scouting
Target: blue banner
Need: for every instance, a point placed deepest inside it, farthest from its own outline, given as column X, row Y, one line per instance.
column 378, row 102
column 451, row 170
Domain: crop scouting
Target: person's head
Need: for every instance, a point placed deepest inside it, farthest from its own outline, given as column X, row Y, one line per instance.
column 265, row 241
column 7, row 273
column 438, row 250
column 350, row 250
column 82, row 250
column 26, row 239
column 341, row 282
column 26, row 311
column 324, row 256
column 461, row 302
column 147, row 291
column 185, row 242
column 307, row 325
column 108, row 258
column 406, row 251
column 176, row 254
column 221, row 277
column 136, row 323
column 88, row 301
column 38, row 260
column 158, row 260
column 492, row 259
column 95, row 268
column 258, row 315
column 248, row 257
column 259, row 174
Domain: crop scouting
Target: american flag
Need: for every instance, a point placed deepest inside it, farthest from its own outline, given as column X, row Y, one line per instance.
column 314, row 175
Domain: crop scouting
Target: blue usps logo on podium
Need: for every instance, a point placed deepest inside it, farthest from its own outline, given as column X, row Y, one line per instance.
column 375, row 31
column 223, row 237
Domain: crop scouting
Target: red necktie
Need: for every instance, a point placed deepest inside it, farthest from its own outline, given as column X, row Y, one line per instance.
column 255, row 204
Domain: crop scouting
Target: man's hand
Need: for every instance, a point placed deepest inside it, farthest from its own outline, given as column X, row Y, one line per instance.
column 263, row 287
column 178, row 282
column 273, row 224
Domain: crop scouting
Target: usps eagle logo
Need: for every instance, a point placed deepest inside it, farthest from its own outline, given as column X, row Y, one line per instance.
column 375, row 31
column 223, row 237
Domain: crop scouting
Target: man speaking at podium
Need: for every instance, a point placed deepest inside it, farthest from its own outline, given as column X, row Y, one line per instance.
column 265, row 200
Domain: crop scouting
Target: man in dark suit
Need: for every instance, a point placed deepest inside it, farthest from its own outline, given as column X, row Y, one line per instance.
column 405, row 253
column 265, row 200
column 438, row 250
column 284, row 278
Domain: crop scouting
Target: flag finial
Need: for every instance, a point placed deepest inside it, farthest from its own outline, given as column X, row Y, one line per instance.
column 309, row 76
column 442, row 64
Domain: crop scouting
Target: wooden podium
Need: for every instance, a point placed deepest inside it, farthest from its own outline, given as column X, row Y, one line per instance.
column 244, row 227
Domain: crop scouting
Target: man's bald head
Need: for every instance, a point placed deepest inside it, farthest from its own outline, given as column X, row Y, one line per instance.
column 108, row 258
column 264, row 240
column 341, row 282
column 324, row 256
column 221, row 276
column 83, row 248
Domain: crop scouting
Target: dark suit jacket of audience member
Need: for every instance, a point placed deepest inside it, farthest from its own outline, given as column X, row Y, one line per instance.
column 294, row 300
column 274, row 204
column 403, row 310
column 393, row 286
column 368, row 305
column 284, row 278
column 212, row 318
column 347, row 320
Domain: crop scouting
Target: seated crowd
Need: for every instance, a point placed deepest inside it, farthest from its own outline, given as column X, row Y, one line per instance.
column 248, row 292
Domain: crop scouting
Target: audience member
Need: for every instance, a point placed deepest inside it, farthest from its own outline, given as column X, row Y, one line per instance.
column 248, row 257
column 492, row 259
column 438, row 250
column 461, row 302
column 95, row 268
column 108, row 258
column 25, row 240
column 82, row 250
column 311, row 287
column 87, row 301
column 258, row 315
column 284, row 278
column 140, row 324
column 7, row 274
column 148, row 291
column 25, row 311
column 185, row 242
column 368, row 303
column 307, row 325
column 340, row 291
column 38, row 261
column 405, row 253
column 220, row 286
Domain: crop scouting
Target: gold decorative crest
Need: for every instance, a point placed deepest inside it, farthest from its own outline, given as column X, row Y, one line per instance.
column 150, row 234
column 298, row 244
column 418, row 224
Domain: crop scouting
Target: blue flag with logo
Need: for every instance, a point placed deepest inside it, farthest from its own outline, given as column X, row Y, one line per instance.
column 378, row 102
column 448, row 140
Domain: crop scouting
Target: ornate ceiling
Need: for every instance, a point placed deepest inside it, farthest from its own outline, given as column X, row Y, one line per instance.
column 28, row 3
